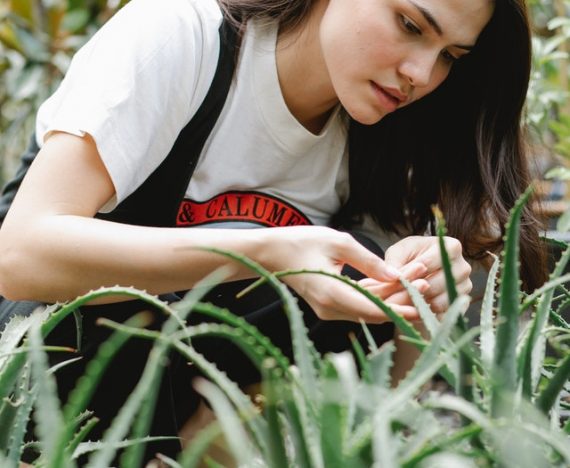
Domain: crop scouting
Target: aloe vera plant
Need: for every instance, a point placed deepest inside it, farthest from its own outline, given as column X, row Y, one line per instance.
column 322, row 411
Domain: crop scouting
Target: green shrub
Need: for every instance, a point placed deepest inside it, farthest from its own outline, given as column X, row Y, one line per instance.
column 330, row 410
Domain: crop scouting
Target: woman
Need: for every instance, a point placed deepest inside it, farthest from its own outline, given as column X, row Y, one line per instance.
column 426, row 94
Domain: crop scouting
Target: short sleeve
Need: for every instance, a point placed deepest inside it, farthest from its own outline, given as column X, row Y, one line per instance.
column 136, row 84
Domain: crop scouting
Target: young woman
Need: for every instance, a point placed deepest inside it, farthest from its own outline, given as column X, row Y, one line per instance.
column 343, row 114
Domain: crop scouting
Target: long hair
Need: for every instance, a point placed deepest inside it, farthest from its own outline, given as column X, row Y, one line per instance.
column 461, row 147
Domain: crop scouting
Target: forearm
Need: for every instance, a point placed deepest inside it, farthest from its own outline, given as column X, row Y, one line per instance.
column 57, row 258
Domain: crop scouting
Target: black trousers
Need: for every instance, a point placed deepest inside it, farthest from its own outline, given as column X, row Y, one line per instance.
column 177, row 399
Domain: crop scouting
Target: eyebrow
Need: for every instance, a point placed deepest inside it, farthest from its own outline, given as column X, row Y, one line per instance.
column 435, row 25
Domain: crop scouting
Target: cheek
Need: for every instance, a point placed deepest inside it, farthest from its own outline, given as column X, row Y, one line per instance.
column 438, row 78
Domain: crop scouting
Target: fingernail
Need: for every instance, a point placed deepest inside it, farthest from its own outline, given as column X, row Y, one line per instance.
column 393, row 272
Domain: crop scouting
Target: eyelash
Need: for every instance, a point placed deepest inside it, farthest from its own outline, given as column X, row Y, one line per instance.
column 411, row 28
column 448, row 57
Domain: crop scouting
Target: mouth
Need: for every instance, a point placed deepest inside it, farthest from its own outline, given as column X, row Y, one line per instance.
column 389, row 98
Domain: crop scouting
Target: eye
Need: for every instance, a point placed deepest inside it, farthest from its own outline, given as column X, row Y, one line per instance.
column 409, row 26
column 448, row 57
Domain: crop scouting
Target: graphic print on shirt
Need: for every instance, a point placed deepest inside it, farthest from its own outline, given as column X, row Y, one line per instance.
column 251, row 207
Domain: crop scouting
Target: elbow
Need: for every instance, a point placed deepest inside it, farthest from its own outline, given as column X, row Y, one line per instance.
column 13, row 278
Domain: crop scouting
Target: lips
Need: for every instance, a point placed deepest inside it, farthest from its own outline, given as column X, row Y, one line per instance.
column 389, row 98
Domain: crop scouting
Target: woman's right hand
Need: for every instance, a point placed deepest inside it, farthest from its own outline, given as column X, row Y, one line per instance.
column 322, row 248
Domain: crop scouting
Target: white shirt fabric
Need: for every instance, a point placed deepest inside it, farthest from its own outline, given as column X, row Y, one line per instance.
column 144, row 74
column 138, row 82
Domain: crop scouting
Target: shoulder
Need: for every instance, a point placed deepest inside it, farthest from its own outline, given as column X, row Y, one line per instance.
column 151, row 25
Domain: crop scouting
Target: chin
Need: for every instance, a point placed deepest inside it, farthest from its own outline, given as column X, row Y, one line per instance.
column 367, row 117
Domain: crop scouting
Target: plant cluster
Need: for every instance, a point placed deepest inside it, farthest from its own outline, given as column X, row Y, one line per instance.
column 335, row 410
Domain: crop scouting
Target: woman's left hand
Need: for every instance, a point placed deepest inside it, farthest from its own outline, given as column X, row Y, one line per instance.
column 425, row 250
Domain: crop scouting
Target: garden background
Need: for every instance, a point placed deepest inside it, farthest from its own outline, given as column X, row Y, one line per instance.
column 504, row 397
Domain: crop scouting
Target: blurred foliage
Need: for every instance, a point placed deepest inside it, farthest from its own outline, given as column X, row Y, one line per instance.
column 39, row 37
column 37, row 41
column 548, row 96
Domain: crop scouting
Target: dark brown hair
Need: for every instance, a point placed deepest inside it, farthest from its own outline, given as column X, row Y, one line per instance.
column 461, row 147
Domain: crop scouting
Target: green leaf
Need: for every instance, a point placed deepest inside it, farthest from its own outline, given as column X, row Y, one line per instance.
column 274, row 392
column 87, row 384
column 555, row 385
column 381, row 363
column 563, row 223
column 19, row 425
column 48, row 412
column 505, row 363
column 193, row 454
column 234, row 433
column 531, row 356
column 487, row 327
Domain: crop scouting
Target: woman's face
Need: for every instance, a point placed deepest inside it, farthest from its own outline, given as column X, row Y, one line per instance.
column 384, row 54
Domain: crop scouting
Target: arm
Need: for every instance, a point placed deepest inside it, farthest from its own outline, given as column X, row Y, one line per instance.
column 52, row 249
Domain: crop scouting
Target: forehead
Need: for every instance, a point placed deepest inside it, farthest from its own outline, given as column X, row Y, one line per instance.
column 458, row 19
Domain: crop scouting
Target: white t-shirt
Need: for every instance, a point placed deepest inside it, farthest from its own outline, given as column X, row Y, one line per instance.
column 141, row 78
column 138, row 82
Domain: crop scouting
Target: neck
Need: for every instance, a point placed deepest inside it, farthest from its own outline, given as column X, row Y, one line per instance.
column 303, row 75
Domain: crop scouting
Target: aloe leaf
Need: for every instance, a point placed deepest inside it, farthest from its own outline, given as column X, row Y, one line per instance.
column 445, row 262
column 430, row 354
column 191, row 300
column 96, row 446
column 249, row 330
column 48, row 412
column 555, row 385
column 338, row 412
column 19, row 424
column 400, row 322
column 193, row 454
column 303, row 349
column 87, row 385
column 234, row 433
column 238, row 398
column 133, row 456
column 274, row 391
column 459, row 405
column 555, row 317
column 80, row 436
column 167, row 461
column 410, row 386
column 15, row 330
column 147, row 384
column 487, row 328
column 428, row 317
column 372, row 345
column 554, row 439
column 380, row 364
column 383, row 440
column 465, row 370
column 441, row 444
column 361, row 358
column 505, row 378
column 552, row 284
column 309, row 426
column 531, row 357
column 296, row 432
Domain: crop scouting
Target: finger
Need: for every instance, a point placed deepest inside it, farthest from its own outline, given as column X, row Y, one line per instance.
column 440, row 304
column 404, row 251
column 341, row 302
column 431, row 258
column 403, row 297
column 438, row 285
column 359, row 257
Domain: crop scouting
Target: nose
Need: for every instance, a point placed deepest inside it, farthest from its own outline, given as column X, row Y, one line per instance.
column 418, row 69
